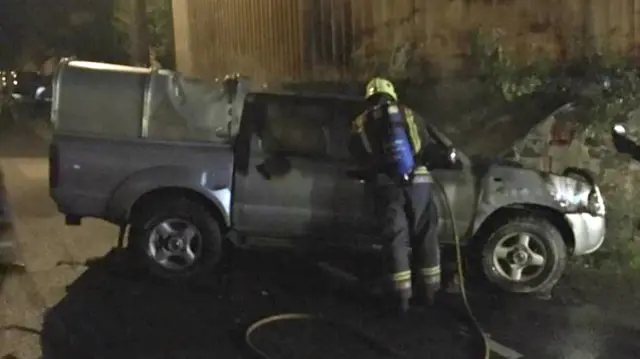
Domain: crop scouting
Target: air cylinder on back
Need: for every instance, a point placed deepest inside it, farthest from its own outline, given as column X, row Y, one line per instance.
column 396, row 144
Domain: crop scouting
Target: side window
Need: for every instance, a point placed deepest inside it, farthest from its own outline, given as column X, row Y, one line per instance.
column 103, row 103
column 294, row 129
column 185, row 109
column 339, row 129
column 339, row 132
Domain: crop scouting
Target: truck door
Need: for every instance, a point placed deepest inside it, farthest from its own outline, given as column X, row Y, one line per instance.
column 354, row 222
column 283, row 186
column 457, row 186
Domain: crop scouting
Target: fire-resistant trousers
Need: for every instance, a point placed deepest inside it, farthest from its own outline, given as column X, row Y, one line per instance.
column 409, row 228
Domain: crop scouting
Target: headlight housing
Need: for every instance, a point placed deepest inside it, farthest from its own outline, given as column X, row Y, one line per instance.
column 575, row 195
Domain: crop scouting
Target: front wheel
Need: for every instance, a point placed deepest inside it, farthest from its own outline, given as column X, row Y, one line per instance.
column 524, row 255
column 177, row 239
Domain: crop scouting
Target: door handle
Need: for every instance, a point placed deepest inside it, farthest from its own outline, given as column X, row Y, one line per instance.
column 274, row 166
column 263, row 171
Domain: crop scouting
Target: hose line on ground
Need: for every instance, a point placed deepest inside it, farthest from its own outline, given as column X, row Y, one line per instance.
column 484, row 353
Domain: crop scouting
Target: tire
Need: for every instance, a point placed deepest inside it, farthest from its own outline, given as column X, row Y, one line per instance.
column 505, row 246
column 162, row 231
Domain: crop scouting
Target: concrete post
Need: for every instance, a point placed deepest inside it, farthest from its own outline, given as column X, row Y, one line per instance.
column 139, row 34
column 182, row 36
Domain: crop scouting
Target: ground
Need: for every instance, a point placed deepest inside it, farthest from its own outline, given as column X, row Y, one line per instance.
column 106, row 310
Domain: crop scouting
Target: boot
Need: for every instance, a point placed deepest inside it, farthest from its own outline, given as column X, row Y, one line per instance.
column 400, row 301
column 427, row 290
column 398, row 297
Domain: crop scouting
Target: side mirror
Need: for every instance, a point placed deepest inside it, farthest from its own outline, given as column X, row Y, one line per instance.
column 621, row 140
column 453, row 156
column 620, row 129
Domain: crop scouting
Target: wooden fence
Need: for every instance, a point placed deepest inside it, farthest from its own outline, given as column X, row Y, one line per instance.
column 329, row 39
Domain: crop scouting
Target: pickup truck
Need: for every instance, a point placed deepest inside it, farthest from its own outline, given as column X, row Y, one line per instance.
column 193, row 169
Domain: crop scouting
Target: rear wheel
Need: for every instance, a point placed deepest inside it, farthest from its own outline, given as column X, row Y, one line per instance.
column 524, row 255
column 177, row 239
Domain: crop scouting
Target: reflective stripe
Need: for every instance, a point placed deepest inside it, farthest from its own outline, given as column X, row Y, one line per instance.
column 422, row 175
column 358, row 124
column 365, row 142
column 358, row 127
column 413, row 130
column 401, row 276
column 422, row 179
column 430, row 271
column 431, row 275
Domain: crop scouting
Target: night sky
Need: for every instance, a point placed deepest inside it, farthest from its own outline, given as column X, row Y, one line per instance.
column 30, row 30
column 12, row 28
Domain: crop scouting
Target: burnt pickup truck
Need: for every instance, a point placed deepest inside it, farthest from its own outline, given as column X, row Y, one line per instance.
column 191, row 168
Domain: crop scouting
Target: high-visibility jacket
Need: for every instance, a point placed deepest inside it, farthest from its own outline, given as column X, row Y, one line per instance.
column 366, row 141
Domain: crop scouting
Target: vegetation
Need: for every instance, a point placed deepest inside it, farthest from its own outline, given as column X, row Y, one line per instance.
column 92, row 30
column 604, row 85
column 488, row 60
column 159, row 26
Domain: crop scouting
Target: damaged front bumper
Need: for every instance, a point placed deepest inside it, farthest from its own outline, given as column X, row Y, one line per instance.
column 589, row 228
column 588, row 231
column 576, row 192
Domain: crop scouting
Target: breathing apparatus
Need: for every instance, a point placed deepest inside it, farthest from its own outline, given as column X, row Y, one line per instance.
column 388, row 117
column 397, row 149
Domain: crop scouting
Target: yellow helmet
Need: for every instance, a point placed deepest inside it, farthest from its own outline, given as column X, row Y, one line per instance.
column 379, row 85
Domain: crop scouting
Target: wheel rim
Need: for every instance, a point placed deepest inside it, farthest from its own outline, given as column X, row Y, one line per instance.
column 519, row 257
column 175, row 244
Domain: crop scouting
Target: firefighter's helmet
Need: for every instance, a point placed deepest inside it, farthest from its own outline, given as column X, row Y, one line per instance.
column 379, row 85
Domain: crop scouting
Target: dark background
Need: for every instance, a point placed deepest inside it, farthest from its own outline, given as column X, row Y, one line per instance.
column 35, row 30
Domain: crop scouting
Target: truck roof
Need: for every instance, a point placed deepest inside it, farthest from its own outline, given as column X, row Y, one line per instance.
column 303, row 96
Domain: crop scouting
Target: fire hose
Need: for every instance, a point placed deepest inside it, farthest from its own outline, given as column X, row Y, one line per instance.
column 483, row 351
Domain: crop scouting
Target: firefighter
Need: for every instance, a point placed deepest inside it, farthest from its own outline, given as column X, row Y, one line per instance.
column 402, row 205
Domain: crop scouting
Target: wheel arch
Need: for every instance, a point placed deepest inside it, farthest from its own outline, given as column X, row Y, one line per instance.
column 213, row 206
column 502, row 214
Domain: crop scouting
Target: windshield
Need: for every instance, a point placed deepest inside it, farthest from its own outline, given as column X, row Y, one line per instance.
column 439, row 136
